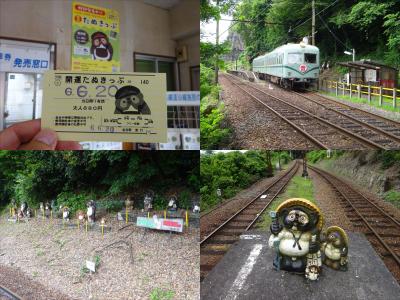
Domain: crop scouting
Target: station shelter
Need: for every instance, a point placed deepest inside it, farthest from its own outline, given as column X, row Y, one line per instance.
column 369, row 72
column 155, row 36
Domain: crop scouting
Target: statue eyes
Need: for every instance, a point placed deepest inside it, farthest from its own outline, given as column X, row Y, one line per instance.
column 303, row 219
column 291, row 217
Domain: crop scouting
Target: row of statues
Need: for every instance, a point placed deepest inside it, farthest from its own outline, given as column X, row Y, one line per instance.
column 300, row 244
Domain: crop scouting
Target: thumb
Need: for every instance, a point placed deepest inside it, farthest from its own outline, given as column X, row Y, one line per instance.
column 46, row 139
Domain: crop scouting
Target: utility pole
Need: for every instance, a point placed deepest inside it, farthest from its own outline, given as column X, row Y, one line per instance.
column 313, row 23
column 217, row 43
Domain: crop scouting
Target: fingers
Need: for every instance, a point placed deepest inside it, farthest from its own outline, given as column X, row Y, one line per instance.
column 15, row 135
column 46, row 139
column 67, row 145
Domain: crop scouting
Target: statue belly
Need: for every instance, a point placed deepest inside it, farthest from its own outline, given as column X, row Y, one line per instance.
column 332, row 253
column 286, row 248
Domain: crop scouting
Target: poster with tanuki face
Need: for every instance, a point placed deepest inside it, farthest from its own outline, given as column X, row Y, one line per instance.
column 95, row 38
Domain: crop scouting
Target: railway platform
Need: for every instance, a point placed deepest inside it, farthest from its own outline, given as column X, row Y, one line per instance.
column 246, row 272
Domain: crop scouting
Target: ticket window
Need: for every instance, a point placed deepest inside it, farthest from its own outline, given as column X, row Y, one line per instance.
column 22, row 65
column 23, row 97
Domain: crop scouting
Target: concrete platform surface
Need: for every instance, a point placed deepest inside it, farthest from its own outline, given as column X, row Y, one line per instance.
column 246, row 272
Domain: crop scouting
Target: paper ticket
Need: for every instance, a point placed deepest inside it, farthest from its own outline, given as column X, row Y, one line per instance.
column 123, row 107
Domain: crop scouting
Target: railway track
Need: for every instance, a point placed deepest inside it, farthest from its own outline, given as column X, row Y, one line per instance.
column 216, row 244
column 6, row 294
column 381, row 228
column 379, row 129
column 318, row 130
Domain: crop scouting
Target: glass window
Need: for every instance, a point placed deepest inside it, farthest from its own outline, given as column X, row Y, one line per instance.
column 155, row 64
column 183, row 117
column 145, row 66
column 295, row 58
column 310, row 58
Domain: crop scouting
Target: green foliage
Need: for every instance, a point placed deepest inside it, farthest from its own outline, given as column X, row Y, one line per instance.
column 111, row 205
column 74, row 201
column 393, row 197
column 316, row 155
column 184, row 199
column 388, row 158
column 73, row 177
column 161, row 294
column 372, row 27
column 230, row 172
column 160, row 202
column 212, row 135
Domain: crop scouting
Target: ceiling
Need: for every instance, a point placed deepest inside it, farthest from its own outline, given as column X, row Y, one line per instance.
column 165, row 4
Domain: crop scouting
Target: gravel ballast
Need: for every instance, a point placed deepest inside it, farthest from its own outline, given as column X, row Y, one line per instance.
column 53, row 257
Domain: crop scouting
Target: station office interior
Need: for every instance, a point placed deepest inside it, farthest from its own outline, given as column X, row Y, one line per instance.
column 151, row 33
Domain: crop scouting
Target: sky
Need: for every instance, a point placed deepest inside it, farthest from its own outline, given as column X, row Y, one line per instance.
column 208, row 29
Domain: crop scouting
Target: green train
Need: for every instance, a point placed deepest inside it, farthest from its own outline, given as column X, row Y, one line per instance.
column 289, row 65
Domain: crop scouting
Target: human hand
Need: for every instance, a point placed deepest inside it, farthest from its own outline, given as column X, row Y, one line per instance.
column 29, row 136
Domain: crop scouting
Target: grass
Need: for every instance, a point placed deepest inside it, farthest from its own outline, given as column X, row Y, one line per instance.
column 298, row 187
column 374, row 101
column 161, row 294
column 393, row 197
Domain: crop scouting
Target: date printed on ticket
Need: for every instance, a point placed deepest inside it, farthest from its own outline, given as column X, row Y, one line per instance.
column 120, row 107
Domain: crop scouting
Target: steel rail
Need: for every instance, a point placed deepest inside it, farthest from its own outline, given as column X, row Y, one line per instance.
column 348, row 133
column 294, row 167
column 363, row 123
column 355, row 108
column 9, row 294
column 307, row 135
column 326, row 176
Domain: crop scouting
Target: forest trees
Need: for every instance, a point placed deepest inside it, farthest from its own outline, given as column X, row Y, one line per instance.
column 371, row 27
column 234, row 171
column 38, row 176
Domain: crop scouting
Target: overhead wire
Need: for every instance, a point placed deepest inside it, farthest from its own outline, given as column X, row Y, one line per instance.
column 336, row 38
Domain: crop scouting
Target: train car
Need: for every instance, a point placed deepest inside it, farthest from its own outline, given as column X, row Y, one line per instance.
column 289, row 65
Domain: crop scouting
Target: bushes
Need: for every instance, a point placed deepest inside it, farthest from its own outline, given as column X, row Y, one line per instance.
column 74, row 201
column 231, row 172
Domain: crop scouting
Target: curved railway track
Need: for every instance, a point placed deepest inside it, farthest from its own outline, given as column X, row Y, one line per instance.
column 7, row 294
column 381, row 228
column 216, row 244
column 335, row 125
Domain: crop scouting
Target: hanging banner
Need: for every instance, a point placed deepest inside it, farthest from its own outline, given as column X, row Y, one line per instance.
column 26, row 57
column 95, row 38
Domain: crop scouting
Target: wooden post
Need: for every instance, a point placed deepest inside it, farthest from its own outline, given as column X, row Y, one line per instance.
column 187, row 219
column 51, row 215
column 102, row 231
column 336, row 88
column 344, row 88
column 165, row 214
column 126, row 215
column 78, row 224
column 394, row 98
column 369, row 93
column 359, row 91
column 350, row 89
column 86, row 227
column 380, row 96
column 148, row 214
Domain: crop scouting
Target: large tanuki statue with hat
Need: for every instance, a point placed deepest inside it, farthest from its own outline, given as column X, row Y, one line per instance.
column 130, row 96
column 295, row 229
column 101, row 48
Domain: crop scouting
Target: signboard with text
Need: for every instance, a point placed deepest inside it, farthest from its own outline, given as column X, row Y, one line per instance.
column 160, row 223
column 24, row 57
column 95, row 38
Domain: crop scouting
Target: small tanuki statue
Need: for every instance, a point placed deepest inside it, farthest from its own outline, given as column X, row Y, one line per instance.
column 196, row 208
column 24, row 211
column 65, row 213
column 295, row 229
column 47, row 209
column 148, row 201
column 91, row 211
column 41, row 208
column 335, row 248
column 80, row 215
column 129, row 203
column 172, row 206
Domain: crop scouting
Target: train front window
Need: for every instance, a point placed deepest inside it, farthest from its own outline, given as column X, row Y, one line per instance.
column 295, row 58
column 310, row 58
